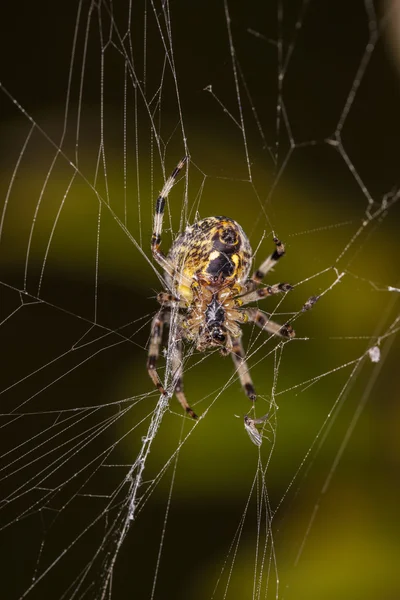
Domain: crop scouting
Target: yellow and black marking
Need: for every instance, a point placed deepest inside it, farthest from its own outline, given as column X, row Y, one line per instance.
column 213, row 250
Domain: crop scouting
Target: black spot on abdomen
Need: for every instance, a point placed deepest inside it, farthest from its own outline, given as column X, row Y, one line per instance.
column 226, row 240
column 221, row 264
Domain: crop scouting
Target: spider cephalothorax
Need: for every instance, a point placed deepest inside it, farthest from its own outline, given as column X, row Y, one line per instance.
column 207, row 275
column 209, row 320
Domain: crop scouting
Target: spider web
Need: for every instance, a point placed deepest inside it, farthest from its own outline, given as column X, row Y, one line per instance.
column 288, row 111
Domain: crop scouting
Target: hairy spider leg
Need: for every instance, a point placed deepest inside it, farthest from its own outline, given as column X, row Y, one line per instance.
column 157, row 327
column 264, row 322
column 159, row 216
column 169, row 300
column 250, row 292
column 239, row 361
column 162, row 318
column 264, row 292
column 178, row 378
column 270, row 262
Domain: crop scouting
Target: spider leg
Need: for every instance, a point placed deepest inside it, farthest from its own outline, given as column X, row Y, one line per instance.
column 155, row 341
column 269, row 290
column 169, row 300
column 161, row 318
column 264, row 322
column 159, row 216
column 178, row 379
column 250, row 292
column 270, row 262
column 239, row 361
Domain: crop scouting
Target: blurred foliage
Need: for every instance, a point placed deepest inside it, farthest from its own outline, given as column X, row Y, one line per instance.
column 316, row 208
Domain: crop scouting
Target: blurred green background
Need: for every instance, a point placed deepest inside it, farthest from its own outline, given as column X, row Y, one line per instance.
column 90, row 299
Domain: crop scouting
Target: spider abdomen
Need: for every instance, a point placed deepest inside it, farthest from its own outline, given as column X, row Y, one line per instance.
column 210, row 250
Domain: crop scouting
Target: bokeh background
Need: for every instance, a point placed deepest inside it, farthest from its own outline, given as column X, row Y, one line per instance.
column 88, row 401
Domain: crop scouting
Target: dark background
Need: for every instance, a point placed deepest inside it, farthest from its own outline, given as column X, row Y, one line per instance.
column 316, row 207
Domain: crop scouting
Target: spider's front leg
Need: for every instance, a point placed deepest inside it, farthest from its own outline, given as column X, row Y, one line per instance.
column 270, row 262
column 251, row 292
column 159, row 216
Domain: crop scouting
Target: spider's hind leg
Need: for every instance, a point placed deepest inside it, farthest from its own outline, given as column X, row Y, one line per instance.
column 239, row 360
column 157, row 327
column 161, row 318
column 178, row 379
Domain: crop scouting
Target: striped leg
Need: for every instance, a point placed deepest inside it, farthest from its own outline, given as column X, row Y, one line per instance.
column 155, row 341
column 156, row 337
column 242, row 369
column 270, row 262
column 178, row 379
column 262, row 320
column 269, row 290
column 169, row 300
column 159, row 215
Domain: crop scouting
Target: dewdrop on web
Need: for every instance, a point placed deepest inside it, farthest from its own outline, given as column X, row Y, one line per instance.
column 374, row 354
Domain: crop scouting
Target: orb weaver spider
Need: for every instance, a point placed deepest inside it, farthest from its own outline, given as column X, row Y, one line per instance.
column 207, row 276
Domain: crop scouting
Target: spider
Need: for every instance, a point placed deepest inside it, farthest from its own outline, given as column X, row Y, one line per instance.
column 207, row 276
